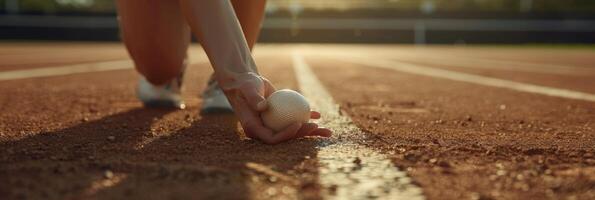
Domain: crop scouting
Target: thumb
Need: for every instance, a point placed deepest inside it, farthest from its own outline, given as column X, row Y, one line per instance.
column 255, row 98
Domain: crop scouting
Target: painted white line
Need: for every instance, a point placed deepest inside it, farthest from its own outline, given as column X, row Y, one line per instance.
column 467, row 62
column 553, row 67
column 348, row 170
column 433, row 24
column 465, row 77
column 66, row 70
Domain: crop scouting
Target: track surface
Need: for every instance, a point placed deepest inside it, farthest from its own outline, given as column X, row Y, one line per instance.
column 85, row 135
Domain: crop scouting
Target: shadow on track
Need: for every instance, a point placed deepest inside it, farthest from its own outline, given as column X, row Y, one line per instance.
column 204, row 160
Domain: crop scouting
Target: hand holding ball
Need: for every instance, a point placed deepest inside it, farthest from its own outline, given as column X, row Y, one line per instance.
column 285, row 107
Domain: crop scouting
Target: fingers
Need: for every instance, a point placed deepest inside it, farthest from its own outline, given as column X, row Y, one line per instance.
column 250, row 119
column 255, row 98
column 314, row 115
column 295, row 131
column 312, row 129
column 306, row 129
column 323, row 132
column 256, row 130
column 268, row 88
column 286, row 134
column 250, row 99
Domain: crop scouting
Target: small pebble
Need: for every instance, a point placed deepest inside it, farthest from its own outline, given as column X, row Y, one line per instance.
column 271, row 191
column 357, row 161
column 111, row 138
column 108, row 174
column 333, row 189
column 272, row 179
column 500, row 172
column 502, row 107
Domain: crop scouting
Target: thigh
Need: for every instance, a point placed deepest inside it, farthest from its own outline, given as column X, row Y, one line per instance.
column 250, row 14
column 154, row 31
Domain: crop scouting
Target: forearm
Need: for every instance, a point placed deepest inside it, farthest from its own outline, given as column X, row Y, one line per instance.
column 219, row 32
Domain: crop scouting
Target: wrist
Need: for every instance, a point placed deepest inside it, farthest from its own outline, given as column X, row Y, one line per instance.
column 232, row 71
column 234, row 80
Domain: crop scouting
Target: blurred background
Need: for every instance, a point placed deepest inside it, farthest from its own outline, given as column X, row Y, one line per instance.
column 349, row 21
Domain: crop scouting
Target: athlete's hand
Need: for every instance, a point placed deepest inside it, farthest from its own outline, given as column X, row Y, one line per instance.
column 247, row 93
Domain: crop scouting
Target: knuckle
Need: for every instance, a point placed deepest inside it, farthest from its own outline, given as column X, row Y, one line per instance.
column 248, row 127
column 250, row 124
column 250, row 134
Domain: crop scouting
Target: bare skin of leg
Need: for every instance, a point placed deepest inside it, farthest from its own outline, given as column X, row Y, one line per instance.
column 156, row 36
column 250, row 14
column 216, row 26
column 159, row 56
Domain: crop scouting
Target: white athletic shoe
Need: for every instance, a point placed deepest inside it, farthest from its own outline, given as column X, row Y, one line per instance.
column 214, row 100
column 168, row 95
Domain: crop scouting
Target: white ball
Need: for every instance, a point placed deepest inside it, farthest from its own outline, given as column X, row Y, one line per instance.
column 285, row 107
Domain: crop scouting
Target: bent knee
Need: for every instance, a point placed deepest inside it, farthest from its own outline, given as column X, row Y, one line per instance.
column 160, row 72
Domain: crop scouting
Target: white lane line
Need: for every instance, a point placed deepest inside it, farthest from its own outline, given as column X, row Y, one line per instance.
column 66, row 70
column 82, row 68
column 465, row 77
column 348, row 170
column 536, row 66
column 499, row 65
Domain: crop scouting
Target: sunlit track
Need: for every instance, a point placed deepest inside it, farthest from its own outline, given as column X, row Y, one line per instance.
column 78, row 69
column 429, row 55
column 494, row 64
column 66, row 70
column 349, row 170
column 450, row 123
column 464, row 77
